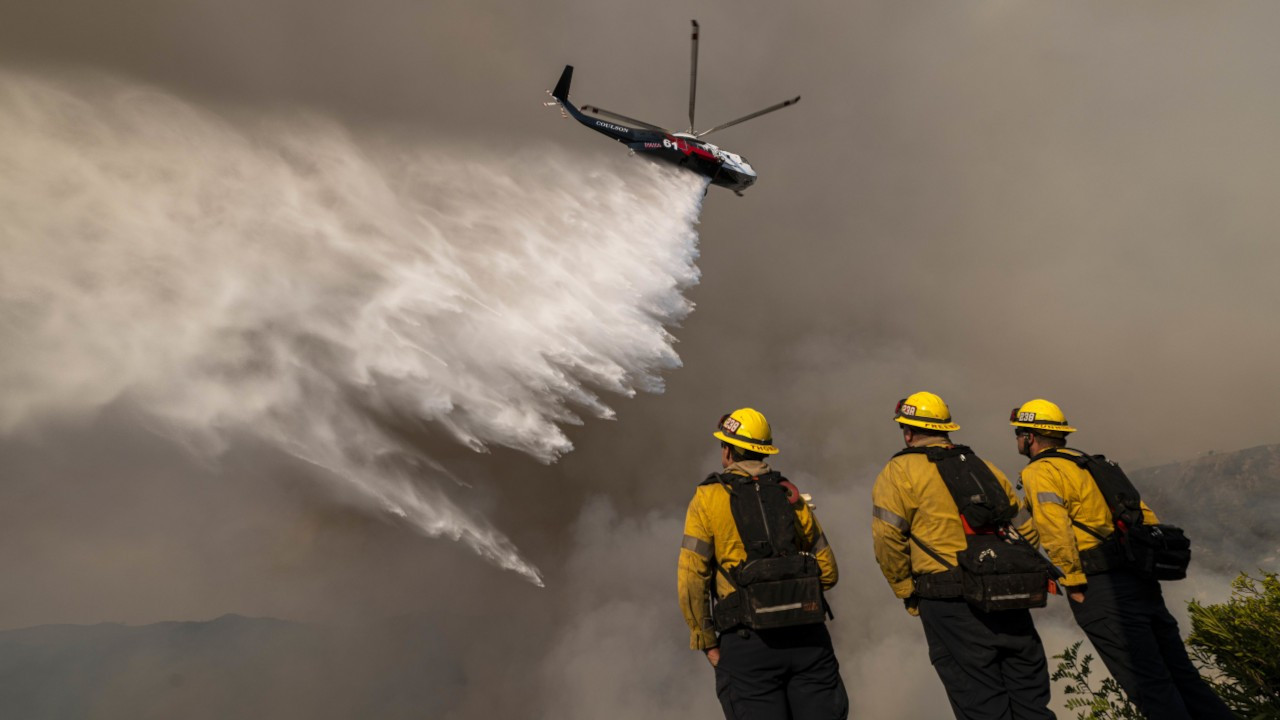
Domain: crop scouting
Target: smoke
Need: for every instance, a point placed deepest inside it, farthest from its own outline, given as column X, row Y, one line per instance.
column 993, row 201
column 638, row 656
column 284, row 282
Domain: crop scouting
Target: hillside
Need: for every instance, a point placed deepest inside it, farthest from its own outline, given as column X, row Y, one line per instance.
column 1227, row 502
column 231, row 667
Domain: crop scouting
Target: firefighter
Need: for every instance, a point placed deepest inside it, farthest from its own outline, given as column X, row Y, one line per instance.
column 760, row 623
column 991, row 663
column 1123, row 615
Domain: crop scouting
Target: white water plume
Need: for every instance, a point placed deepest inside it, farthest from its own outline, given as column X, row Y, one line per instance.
column 285, row 283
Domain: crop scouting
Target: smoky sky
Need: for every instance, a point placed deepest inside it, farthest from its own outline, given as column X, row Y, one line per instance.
column 994, row 201
column 1010, row 200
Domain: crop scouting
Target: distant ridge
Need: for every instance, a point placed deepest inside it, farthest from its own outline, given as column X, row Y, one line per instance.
column 1229, row 503
column 229, row 667
column 227, row 620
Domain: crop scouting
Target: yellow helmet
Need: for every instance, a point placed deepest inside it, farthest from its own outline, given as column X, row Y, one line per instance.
column 747, row 429
column 926, row 410
column 1041, row 415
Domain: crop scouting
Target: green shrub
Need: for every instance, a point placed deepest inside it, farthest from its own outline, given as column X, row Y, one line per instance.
column 1235, row 644
column 1238, row 644
column 1107, row 702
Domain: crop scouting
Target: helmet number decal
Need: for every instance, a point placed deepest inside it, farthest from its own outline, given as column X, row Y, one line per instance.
column 731, row 425
column 908, row 410
column 1029, row 417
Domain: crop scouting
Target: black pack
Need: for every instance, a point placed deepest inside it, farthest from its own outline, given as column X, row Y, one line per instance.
column 979, row 496
column 778, row 585
column 998, row 569
column 1158, row 552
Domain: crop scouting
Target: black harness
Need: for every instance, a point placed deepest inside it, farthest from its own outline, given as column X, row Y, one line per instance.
column 1160, row 552
column 998, row 569
column 779, row 584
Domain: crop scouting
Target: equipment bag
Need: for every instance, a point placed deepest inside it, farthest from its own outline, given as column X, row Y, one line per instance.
column 1158, row 552
column 999, row 569
column 1000, row 573
column 778, row 585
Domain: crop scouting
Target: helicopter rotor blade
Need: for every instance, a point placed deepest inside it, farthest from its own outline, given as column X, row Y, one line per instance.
column 619, row 116
column 693, row 74
column 752, row 116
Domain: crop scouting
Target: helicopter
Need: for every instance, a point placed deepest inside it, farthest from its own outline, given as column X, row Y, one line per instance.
column 686, row 149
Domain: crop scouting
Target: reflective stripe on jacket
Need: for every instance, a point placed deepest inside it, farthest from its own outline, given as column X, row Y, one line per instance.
column 910, row 496
column 1061, row 491
column 711, row 533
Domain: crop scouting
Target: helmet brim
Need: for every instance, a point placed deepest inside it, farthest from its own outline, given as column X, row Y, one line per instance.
column 753, row 447
column 1047, row 427
column 927, row 425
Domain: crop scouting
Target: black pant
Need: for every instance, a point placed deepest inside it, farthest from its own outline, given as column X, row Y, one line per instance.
column 992, row 664
column 781, row 674
column 1128, row 624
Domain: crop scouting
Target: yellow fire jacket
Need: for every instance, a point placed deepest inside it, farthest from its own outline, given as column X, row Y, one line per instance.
column 1061, row 491
column 710, row 534
column 910, row 496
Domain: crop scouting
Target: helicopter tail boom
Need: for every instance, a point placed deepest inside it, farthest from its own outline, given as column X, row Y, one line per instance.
column 616, row 130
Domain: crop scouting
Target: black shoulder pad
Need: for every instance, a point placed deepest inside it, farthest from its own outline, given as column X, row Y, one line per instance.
column 771, row 476
column 936, row 452
column 1082, row 459
column 711, row 478
column 1123, row 499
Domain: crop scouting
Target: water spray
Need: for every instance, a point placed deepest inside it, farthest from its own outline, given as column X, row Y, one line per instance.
column 283, row 281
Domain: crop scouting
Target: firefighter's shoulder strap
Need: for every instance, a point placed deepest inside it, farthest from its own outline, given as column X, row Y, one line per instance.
column 764, row 515
column 978, row 494
column 934, row 453
column 712, row 479
column 1122, row 498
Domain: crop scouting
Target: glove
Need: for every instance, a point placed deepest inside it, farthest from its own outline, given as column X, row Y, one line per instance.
column 913, row 605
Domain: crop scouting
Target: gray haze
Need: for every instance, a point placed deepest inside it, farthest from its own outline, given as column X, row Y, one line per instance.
column 993, row 201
